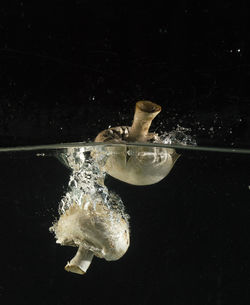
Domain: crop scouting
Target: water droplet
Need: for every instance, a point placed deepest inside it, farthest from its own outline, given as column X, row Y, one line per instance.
column 92, row 98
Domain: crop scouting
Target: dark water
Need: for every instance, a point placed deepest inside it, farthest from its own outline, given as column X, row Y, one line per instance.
column 189, row 235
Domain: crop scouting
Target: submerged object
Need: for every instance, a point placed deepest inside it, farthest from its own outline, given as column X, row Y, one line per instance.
column 138, row 165
column 96, row 230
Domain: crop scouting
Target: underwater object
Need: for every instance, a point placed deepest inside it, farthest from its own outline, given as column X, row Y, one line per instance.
column 96, row 230
column 138, row 165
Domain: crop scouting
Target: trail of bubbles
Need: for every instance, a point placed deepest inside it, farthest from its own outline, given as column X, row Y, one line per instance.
column 86, row 182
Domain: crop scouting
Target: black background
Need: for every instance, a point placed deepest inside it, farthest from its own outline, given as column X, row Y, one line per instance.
column 189, row 236
column 69, row 69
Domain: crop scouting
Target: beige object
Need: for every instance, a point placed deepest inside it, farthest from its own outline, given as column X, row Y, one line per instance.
column 95, row 230
column 138, row 165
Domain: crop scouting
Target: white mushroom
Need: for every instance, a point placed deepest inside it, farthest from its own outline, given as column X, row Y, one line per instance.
column 138, row 165
column 95, row 230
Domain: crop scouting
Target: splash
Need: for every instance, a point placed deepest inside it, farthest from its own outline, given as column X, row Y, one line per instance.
column 180, row 136
column 86, row 181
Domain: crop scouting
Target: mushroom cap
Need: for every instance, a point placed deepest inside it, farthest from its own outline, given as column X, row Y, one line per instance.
column 138, row 165
column 95, row 227
column 120, row 134
column 117, row 134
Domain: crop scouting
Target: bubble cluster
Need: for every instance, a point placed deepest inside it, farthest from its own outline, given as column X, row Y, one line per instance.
column 86, row 183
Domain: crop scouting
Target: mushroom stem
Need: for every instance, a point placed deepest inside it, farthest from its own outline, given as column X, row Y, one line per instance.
column 145, row 112
column 80, row 262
